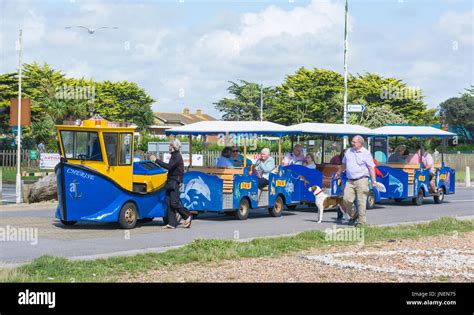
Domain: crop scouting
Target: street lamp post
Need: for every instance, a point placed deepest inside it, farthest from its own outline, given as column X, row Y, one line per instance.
column 18, row 152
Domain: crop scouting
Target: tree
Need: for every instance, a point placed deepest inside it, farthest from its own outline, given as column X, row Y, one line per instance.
column 459, row 111
column 317, row 95
column 246, row 102
column 55, row 98
column 377, row 116
column 374, row 90
column 308, row 95
column 124, row 102
column 8, row 90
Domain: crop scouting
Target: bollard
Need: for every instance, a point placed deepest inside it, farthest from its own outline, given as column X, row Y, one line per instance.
column 468, row 176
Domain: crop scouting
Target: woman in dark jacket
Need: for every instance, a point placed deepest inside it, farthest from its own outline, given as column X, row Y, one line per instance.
column 175, row 169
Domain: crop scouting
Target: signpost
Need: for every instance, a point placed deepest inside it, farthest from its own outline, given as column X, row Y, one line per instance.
column 33, row 155
column 49, row 160
column 356, row 108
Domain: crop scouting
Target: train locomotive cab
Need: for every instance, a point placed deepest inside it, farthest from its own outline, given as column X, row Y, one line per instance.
column 98, row 180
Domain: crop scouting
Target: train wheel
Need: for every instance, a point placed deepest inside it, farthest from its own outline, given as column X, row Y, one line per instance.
column 440, row 197
column 276, row 210
column 68, row 223
column 418, row 200
column 128, row 216
column 370, row 200
column 243, row 212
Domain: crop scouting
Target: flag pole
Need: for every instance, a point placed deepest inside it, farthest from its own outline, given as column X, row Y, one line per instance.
column 345, row 71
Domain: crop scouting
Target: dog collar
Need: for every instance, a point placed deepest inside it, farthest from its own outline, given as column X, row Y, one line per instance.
column 319, row 192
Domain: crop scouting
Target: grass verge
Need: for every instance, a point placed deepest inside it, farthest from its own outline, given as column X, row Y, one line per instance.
column 461, row 176
column 48, row 268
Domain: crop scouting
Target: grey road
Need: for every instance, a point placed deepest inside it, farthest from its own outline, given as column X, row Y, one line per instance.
column 85, row 241
column 8, row 194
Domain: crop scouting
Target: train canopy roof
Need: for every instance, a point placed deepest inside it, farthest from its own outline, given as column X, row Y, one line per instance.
column 221, row 126
column 412, row 131
column 332, row 129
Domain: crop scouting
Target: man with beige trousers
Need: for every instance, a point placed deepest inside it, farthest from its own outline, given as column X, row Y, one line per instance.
column 359, row 165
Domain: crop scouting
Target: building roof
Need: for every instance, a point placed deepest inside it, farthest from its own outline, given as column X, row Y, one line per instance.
column 180, row 119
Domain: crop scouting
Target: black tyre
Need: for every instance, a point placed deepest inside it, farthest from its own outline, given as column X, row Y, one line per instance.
column 291, row 207
column 68, row 223
column 418, row 200
column 243, row 212
column 277, row 208
column 370, row 200
column 440, row 197
column 128, row 216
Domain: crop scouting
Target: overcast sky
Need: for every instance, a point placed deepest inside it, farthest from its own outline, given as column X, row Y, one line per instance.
column 184, row 52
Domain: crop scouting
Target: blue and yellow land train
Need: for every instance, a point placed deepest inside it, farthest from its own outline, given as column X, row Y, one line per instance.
column 98, row 180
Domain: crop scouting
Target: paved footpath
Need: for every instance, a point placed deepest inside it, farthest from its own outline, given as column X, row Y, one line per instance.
column 87, row 241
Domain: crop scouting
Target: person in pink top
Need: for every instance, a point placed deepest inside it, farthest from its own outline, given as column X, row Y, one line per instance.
column 421, row 156
column 295, row 157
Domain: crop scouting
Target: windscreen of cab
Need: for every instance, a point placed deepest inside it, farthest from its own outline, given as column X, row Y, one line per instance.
column 81, row 145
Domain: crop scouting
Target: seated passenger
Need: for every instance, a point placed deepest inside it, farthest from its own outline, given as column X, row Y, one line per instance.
column 264, row 166
column 399, row 155
column 337, row 159
column 238, row 159
column 428, row 164
column 295, row 157
column 309, row 161
column 224, row 159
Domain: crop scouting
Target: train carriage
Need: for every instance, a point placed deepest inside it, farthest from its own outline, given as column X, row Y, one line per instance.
column 403, row 180
column 333, row 185
column 235, row 190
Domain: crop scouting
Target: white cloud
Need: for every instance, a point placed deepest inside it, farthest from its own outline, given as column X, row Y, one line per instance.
column 459, row 25
column 321, row 20
column 173, row 46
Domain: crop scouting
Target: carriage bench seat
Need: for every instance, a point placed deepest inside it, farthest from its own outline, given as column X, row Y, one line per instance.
column 226, row 174
column 409, row 168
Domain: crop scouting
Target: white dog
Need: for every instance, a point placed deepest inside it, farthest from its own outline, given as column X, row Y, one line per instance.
column 323, row 201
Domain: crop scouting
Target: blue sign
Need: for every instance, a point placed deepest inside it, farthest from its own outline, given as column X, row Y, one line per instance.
column 15, row 130
column 358, row 108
